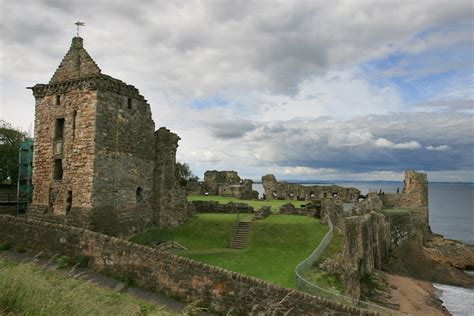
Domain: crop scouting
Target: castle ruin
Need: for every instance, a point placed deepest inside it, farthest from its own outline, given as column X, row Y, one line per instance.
column 98, row 161
column 224, row 183
column 275, row 190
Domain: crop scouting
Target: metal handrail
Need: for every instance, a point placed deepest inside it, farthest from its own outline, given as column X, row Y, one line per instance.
column 309, row 287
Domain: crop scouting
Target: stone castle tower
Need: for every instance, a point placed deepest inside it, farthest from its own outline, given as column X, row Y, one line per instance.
column 98, row 162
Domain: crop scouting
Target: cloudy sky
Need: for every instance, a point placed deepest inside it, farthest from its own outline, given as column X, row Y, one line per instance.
column 302, row 89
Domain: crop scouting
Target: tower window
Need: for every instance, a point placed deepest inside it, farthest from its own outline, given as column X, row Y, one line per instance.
column 139, row 194
column 68, row 201
column 58, row 100
column 58, row 169
column 129, row 103
column 59, row 129
column 74, row 116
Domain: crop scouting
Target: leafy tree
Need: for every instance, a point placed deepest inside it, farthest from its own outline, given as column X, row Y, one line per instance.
column 184, row 173
column 10, row 140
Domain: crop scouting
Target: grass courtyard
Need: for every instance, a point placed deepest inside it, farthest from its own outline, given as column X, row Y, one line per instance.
column 274, row 247
column 256, row 204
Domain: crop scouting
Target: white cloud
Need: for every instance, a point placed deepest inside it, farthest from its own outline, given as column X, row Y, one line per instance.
column 206, row 155
column 438, row 148
column 384, row 143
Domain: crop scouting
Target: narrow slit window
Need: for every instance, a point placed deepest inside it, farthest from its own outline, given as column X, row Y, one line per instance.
column 58, row 100
column 74, row 116
column 58, row 169
column 68, row 201
column 59, row 129
column 129, row 103
column 139, row 194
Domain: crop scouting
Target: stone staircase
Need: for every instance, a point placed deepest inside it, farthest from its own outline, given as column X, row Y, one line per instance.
column 240, row 235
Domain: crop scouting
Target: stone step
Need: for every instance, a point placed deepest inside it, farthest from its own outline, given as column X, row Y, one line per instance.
column 240, row 236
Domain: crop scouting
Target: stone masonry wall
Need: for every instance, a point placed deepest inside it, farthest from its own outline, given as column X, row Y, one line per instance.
column 224, row 183
column 368, row 242
column 415, row 198
column 293, row 191
column 216, row 207
column 169, row 198
column 213, row 179
column 188, row 280
column 76, row 149
column 123, row 164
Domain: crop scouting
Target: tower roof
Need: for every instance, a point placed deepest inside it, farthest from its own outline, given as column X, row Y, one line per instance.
column 77, row 63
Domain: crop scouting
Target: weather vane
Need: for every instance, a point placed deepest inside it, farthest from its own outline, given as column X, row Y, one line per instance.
column 79, row 23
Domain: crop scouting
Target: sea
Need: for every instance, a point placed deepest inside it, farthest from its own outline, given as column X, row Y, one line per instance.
column 451, row 207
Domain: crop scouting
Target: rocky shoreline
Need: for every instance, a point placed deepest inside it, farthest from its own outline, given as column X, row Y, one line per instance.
column 416, row 268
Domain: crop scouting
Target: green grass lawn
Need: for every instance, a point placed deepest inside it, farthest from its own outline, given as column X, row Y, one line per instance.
column 206, row 231
column 29, row 289
column 274, row 248
column 256, row 204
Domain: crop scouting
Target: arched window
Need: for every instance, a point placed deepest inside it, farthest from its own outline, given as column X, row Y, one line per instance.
column 139, row 194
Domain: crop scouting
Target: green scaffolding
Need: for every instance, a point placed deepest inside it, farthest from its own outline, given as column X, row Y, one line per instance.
column 25, row 172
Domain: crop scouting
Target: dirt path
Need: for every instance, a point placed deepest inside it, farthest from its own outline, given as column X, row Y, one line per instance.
column 104, row 281
column 417, row 297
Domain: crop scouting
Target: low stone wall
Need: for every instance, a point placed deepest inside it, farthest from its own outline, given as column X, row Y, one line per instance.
column 222, row 291
column 290, row 209
column 216, row 207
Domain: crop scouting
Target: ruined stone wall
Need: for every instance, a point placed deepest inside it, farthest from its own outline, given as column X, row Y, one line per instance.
column 216, row 207
column 194, row 188
column 76, row 105
column 222, row 291
column 312, row 209
column 238, row 191
column 415, row 198
column 123, row 162
column 213, row 179
column 169, row 198
column 293, row 191
column 224, row 183
column 368, row 242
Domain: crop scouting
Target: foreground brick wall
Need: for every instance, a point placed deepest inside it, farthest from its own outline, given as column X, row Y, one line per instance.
column 188, row 280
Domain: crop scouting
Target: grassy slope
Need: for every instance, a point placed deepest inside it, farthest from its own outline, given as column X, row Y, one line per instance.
column 275, row 204
column 28, row 289
column 274, row 248
column 206, row 231
column 321, row 277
